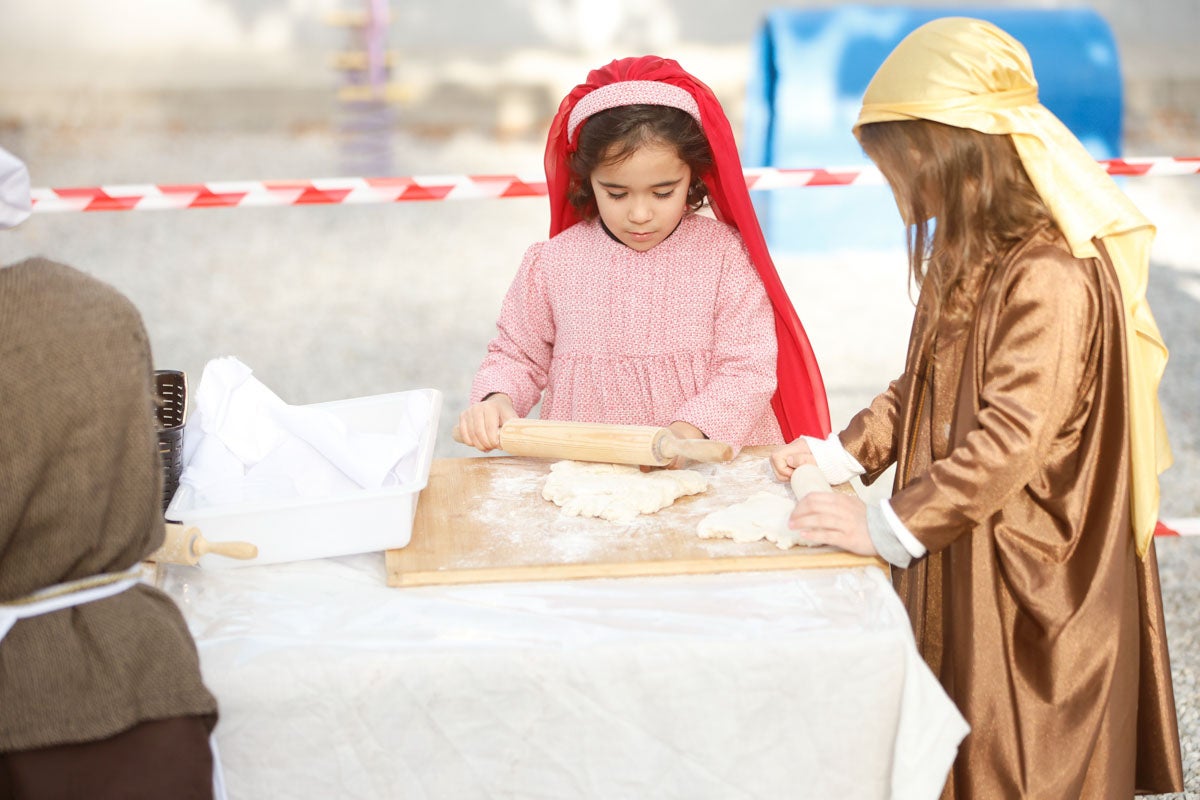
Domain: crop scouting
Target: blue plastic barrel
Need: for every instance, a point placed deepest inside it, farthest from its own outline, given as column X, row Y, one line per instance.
column 811, row 67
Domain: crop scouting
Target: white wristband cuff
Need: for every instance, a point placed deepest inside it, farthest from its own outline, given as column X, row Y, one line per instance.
column 836, row 464
column 910, row 542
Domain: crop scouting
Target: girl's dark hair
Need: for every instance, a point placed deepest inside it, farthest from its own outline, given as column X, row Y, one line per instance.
column 975, row 187
column 612, row 135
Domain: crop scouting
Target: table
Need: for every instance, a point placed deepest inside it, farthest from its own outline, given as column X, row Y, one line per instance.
column 743, row 685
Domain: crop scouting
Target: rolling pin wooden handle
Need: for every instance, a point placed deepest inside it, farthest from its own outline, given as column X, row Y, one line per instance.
column 708, row 450
column 808, row 478
column 239, row 550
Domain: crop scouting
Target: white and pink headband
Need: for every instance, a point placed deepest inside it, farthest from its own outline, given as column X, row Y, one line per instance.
column 631, row 93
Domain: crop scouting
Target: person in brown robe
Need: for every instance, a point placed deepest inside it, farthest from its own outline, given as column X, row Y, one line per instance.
column 100, row 690
column 1024, row 430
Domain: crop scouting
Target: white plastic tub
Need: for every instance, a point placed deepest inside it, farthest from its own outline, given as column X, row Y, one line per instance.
column 365, row 520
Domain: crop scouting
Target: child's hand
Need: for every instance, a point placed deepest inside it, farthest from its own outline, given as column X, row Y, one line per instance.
column 785, row 460
column 833, row 518
column 682, row 430
column 479, row 425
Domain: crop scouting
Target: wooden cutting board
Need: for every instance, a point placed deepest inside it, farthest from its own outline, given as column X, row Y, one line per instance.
column 483, row 520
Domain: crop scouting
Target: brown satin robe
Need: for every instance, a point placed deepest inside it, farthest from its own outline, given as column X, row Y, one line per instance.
column 1013, row 470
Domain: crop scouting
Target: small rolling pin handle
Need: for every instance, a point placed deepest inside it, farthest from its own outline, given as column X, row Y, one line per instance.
column 669, row 446
column 243, row 551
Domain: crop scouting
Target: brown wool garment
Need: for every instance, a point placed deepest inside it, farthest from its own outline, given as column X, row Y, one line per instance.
column 80, row 483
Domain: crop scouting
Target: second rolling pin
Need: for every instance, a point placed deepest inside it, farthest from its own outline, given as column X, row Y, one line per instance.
column 643, row 445
column 186, row 546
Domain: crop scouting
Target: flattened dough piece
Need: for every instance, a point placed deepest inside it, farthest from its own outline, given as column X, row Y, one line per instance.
column 763, row 515
column 616, row 492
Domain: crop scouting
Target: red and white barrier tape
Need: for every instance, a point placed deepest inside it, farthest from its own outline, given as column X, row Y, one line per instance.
column 349, row 191
column 1187, row 526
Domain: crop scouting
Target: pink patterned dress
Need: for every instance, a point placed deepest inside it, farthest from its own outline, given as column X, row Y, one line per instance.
column 600, row 332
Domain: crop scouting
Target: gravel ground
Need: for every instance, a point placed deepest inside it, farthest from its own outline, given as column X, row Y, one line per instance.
column 343, row 301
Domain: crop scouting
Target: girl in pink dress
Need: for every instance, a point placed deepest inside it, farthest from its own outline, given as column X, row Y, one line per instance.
column 638, row 310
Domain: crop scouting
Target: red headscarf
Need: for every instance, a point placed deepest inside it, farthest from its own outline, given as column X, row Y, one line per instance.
column 799, row 402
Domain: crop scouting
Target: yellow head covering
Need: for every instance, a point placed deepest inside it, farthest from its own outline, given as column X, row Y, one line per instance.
column 970, row 74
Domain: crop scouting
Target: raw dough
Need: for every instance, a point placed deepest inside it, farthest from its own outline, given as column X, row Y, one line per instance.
column 617, row 492
column 761, row 516
column 765, row 515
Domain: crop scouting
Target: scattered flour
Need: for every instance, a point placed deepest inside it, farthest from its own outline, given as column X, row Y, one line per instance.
column 527, row 529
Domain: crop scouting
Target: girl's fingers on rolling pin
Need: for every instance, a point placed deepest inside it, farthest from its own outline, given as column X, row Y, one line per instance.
column 466, row 429
column 473, row 428
column 461, row 431
column 494, row 412
column 489, row 430
column 503, row 412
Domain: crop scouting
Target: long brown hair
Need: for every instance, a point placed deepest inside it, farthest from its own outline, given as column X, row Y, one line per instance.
column 971, row 189
column 612, row 135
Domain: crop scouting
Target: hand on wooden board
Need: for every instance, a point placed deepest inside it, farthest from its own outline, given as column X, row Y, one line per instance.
column 479, row 425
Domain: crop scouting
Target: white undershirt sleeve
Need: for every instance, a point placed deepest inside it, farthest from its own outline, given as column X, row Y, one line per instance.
column 837, row 465
column 903, row 534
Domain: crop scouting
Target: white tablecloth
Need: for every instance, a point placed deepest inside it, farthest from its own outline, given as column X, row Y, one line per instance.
column 802, row 684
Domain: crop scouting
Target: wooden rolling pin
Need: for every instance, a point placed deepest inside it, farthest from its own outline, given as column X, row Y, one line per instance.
column 643, row 445
column 186, row 546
